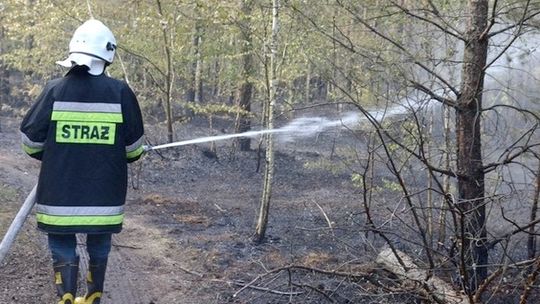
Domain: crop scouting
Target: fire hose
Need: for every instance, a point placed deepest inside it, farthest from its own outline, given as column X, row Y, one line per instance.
column 26, row 208
column 301, row 126
column 17, row 224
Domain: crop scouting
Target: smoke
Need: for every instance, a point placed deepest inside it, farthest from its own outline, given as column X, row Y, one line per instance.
column 311, row 126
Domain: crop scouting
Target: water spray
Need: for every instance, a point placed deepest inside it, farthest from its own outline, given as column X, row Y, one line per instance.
column 303, row 126
column 299, row 127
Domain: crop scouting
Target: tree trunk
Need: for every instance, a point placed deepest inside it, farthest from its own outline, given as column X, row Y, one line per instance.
column 216, row 90
column 197, row 98
column 169, row 77
column 4, row 71
column 269, row 158
column 531, row 239
column 193, row 93
column 429, row 178
column 245, row 92
column 469, row 154
column 446, row 178
column 307, row 88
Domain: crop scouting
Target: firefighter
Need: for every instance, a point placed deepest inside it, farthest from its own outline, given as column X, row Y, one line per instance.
column 85, row 128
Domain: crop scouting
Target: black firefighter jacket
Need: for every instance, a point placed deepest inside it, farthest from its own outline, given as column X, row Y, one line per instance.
column 84, row 129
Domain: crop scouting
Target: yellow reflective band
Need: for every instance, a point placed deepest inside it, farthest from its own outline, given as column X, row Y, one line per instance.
column 30, row 150
column 95, row 220
column 87, row 116
column 57, row 278
column 66, row 297
column 30, row 143
column 85, row 132
column 96, row 295
column 135, row 153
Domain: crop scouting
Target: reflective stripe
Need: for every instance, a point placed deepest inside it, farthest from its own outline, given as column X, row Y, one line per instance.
column 57, row 278
column 87, row 111
column 72, row 210
column 134, row 146
column 135, row 149
column 31, row 144
column 87, row 116
column 30, row 150
column 87, row 107
column 135, row 153
column 89, row 220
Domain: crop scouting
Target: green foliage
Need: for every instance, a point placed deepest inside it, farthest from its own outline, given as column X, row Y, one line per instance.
column 213, row 109
column 390, row 185
column 357, row 180
column 325, row 164
column 36, row 29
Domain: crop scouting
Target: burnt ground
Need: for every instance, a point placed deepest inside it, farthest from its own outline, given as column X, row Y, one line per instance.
column 190, row 220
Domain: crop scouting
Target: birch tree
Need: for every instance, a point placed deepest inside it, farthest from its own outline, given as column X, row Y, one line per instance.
column 262, row 220
column 245, row 90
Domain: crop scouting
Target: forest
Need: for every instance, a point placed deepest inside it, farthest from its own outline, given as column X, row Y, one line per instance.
column 402, row 163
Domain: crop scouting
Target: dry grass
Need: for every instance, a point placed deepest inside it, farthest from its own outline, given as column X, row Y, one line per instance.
column 156, row 199
column 192, row 219
column 318, row 259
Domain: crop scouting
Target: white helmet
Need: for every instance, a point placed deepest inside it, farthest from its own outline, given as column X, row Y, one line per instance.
column 93, row 39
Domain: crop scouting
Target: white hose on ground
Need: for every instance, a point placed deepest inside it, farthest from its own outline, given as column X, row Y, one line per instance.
column 17, row 224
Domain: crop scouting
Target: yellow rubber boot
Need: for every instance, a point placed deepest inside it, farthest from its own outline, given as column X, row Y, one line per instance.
column 67, row 299
column 94, row 280
column 65, row 279
column 91, row 299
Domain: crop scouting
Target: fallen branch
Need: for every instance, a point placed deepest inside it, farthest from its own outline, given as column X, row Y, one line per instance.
column 304, row 268
column 432, row 287
column 200, row 275
column 317, row 290
column 244, row 286
column 325, row 216
column 126, row 246
column 531, row 279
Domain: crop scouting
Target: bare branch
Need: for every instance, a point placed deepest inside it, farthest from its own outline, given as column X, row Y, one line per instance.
column 400, row 47
column 433, row 95
column 518, row 24
column 521, row 150
column 518, row 229
column 452, row 32
column 491, row 21
column 144, row 58
column 514, row 38
column 531, row 279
